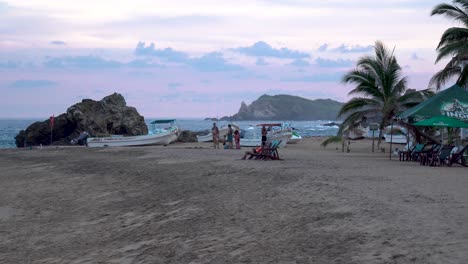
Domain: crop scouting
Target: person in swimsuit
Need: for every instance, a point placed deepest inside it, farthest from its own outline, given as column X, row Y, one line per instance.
column 230, row 135
column 215, row 133
column 237, row 138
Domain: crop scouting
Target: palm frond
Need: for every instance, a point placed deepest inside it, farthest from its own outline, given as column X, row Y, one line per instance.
column 452, row 12
column 415, row 97
column 443, row 76
column 463, row 77
column 453, row 34
column 451, row 49
column 357, row 104
column 330, row 140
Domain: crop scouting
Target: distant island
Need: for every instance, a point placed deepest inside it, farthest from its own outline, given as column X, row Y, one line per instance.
column 286, row 107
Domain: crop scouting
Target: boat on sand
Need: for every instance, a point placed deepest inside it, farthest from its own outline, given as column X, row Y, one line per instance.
column 222, row 132
column 157, row 136
column 273, row 134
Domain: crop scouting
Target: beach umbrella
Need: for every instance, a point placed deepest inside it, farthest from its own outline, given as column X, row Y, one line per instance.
column 442, row 121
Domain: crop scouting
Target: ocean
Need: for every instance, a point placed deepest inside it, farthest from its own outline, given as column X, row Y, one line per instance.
column 9, row 128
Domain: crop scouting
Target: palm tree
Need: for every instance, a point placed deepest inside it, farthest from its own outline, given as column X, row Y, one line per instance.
column 453, row 44
column 382, row 88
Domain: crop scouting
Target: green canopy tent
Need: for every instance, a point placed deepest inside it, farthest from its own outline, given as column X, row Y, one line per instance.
column 452, row 102
column 442, row 121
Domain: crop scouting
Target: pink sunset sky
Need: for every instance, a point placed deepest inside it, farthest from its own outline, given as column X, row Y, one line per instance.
column 200, row 58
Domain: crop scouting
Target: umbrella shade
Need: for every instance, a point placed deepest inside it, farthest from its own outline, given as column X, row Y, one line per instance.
column 442, row 121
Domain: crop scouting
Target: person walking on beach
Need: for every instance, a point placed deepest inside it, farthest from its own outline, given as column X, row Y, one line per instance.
column 229, row 136
column 215, row 133
column 264, row 135
column 237, row 138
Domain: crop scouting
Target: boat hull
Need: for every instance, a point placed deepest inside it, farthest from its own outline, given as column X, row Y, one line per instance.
column 144, row 140
column 222, row 132
column 254, row 142
column 295, row 138
column 396, row 139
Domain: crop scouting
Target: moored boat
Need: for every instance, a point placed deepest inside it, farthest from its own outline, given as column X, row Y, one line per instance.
column 162, row 136
column 295, row 138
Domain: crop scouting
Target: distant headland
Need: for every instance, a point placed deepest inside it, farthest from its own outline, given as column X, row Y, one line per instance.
column 285, row 107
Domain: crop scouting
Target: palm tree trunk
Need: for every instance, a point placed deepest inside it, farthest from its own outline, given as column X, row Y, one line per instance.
column 380, row 134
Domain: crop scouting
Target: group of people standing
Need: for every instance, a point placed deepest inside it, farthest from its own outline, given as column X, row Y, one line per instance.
column 228, row 139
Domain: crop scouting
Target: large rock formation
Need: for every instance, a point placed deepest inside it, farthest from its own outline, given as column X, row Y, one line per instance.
column 109, row 116
column 287, row 107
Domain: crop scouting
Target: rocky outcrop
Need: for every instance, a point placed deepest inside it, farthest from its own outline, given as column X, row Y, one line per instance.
column 109, row 116
column 287, row 107
column 187, row 136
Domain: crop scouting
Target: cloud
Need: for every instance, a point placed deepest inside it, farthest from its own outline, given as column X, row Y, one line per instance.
column 166, row 54
column 415, row 56
column 85, row 62
column 33, row 84
column 339, row 63
column 58, row 42
column 326, row 77
column 210, row 62
column 323, row 47
column 213, row 62
column 9, row 65
column 143, row 64
column 299, row 63
column 263, row 49
column 261, row 62
column 95, row 63
column 352, row 48
column 174, row 85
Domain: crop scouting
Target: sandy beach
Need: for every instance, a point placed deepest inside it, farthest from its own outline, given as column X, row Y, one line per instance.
column 188, row 203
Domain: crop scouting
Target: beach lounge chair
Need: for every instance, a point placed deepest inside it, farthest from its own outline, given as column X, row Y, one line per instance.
column 416, row 151
column 434, row 159
column 419, row 155
column 255, row 152
column 406, row 154
column 271, row 153
column 424, row 155
column 458, row 157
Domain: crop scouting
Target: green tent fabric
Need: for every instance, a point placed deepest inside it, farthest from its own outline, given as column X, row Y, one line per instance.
column 452, row 102
column 442, row 121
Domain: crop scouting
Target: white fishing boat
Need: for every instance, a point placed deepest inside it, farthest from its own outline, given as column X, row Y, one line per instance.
column 397, row 136
column 295, row 138
column 283, row 135
column 156, row 136
column 222, row 132
column 358, row 132
column 395, row 139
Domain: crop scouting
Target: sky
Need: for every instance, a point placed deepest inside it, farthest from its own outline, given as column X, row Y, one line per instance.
column 201, row 58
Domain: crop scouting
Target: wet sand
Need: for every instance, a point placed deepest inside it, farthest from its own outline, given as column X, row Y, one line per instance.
column 187, row 203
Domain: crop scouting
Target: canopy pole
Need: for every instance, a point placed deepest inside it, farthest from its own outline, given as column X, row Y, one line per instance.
column 391, row 139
